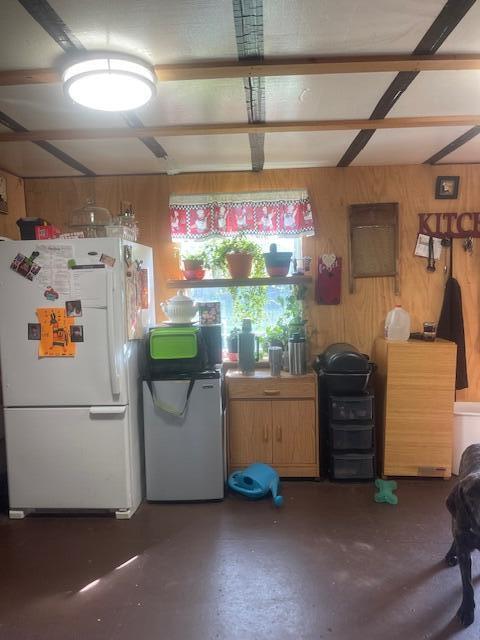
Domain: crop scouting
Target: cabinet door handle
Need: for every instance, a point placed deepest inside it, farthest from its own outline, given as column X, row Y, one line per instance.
column 271, row 392
column 265, row 433
column 279, row 434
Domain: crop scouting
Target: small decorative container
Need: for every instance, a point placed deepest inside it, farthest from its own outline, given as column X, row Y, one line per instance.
column 120, row 231
column 180, row 309
column 277, row 262
column 90, row 219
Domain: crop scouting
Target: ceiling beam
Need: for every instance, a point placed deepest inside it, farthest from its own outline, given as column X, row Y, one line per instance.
column 29, row 76
column 235, row 128
column 318, row 66
column 291, row 67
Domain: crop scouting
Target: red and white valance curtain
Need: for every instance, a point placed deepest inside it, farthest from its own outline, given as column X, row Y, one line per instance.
column 263, row 213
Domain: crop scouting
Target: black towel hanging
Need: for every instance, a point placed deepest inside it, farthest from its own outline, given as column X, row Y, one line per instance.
column 450, row 324
column 451, row 257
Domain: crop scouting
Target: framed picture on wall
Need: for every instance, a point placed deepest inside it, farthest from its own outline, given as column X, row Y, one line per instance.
column 446, row 187
column 3, row 195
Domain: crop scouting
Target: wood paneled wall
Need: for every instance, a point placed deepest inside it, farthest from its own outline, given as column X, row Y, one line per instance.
column 16, row 206
column 359, row 318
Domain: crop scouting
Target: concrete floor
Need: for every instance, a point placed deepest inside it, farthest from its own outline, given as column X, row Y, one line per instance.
column 330, row 564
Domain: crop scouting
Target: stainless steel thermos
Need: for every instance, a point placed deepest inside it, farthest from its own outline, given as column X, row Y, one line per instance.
column 297, row 355
column 275, row 355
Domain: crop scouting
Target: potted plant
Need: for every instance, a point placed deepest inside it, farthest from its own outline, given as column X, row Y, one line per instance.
column 248, row 302
column 239, row 264
column 277, row 262
column 193, row 265
column 237, row 256
column 193, row 261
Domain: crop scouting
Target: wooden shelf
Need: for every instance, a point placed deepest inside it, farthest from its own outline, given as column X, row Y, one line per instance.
column 230, row 282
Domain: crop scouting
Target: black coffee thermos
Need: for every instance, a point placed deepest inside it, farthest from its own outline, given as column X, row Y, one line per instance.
column 212, row 335
column 246, row 348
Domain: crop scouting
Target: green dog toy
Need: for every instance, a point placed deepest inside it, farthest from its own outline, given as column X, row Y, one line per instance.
column 385, row 491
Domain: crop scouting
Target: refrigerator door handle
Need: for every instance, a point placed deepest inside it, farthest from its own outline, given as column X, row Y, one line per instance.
column 112, row 356
column 107, row 411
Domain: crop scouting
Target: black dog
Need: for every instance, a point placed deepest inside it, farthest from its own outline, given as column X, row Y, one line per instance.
column 464, row 505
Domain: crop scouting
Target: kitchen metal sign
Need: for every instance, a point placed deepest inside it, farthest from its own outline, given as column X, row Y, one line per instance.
column 449, row 225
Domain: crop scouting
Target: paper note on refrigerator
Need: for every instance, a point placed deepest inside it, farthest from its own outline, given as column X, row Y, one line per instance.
column 55, row 333
column 54, row 273
column 91, row 286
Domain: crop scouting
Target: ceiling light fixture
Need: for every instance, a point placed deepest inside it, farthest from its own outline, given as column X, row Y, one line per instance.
column 110, row 82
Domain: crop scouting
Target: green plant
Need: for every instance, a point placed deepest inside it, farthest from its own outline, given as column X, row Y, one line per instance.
column 292, row 319
column 200, row 256
column 248, row 302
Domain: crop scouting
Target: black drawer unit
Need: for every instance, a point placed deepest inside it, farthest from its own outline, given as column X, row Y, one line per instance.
column 347, row 413
column 350, row 408
column 351, row 437
column 352, row 466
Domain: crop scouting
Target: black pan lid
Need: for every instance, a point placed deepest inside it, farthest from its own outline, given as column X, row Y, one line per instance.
column 342, row 357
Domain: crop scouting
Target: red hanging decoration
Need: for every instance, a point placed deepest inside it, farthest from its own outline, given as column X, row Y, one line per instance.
column 328, row 285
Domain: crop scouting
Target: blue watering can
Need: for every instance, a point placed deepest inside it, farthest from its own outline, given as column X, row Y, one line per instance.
column 255, row 482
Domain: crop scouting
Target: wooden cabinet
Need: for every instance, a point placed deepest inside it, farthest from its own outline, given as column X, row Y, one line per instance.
column 250, row 431
column 415, row 392
column 294, row 433
column 273, row 420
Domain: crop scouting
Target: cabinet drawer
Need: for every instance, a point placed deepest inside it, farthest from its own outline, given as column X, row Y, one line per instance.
column 272, row 388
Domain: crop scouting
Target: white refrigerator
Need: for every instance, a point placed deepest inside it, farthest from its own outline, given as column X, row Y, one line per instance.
column 72, row 423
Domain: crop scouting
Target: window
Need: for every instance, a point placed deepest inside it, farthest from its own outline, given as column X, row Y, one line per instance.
column 275, row 295
column 283, row 217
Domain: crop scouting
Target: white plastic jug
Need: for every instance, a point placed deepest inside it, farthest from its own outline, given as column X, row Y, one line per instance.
column 397, row 324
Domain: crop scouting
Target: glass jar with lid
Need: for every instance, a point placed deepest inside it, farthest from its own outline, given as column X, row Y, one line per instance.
column 125, row 224
column 90, row 219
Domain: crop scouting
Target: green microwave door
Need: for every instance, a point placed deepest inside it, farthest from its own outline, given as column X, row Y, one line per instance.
column 170, row 343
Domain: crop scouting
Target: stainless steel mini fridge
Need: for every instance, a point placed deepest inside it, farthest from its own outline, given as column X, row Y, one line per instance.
column 184, row 437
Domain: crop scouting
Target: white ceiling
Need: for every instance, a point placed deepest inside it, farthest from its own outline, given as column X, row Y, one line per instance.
column 45, row 107
column 406, row 146
column 195, row 102
column 465, row 37
column 163, row 32
column 181, row 31
column 23, row 43
column 207, row 153
column 343, row 27
column 316, row 97
column 440, row 93
column 120, row 156
column 469, row 152
column 312, row 149
column 27, row 159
